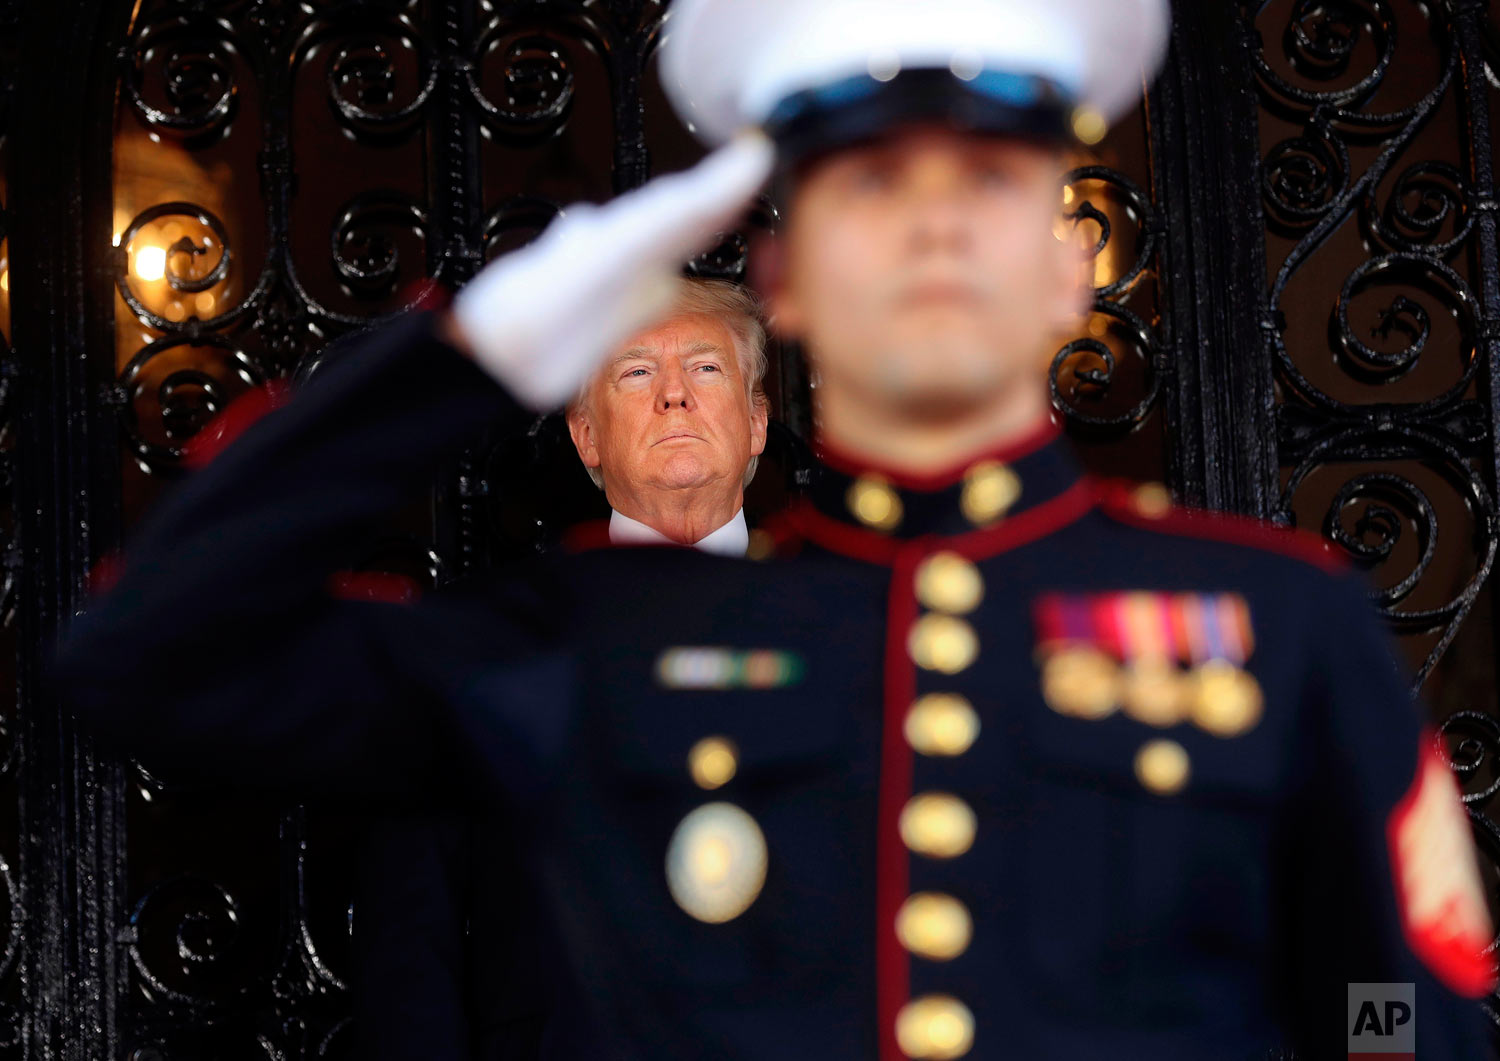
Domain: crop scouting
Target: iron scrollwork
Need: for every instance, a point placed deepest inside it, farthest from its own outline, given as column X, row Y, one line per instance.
column 1087, row 380
column 1385, row 317
column 1385, row 409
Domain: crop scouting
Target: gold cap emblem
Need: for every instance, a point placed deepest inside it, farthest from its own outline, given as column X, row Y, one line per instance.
column 990, row 489
column 1162, row 766
column 1226, row 701
column 716, row 862
column 942, row 724
column 947, row 582
column 1081, row 681
column 713, row 762
column 934, row 926
column 938, row 825
column 935, row 1028
column 942, row 643
column 1089, row 126
column 874, row 503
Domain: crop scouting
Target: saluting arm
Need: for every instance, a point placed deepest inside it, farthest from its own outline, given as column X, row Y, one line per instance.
column 219, row 651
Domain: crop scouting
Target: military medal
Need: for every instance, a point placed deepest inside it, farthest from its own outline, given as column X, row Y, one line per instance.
column 1153, row 691
column 1106, row 650
column 1226, row 699
column 1080, row 673
column 1081, row 681
column 1152, row 686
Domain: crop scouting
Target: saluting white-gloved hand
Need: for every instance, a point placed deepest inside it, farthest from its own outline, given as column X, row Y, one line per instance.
column 541, row 319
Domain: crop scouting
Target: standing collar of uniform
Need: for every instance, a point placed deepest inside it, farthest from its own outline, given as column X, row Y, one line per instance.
column 1031, row 483
column 729, row 540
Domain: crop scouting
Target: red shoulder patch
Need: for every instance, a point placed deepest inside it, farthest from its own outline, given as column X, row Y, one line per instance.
column 1443, row 910
column 1148, row 507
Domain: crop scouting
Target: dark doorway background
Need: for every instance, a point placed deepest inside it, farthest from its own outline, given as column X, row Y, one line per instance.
column 1297, row 317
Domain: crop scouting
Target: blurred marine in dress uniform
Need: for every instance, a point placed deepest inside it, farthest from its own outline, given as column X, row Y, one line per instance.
column 982, row 760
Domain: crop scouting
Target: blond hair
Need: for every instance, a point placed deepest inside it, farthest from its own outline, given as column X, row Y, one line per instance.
column 739, row 310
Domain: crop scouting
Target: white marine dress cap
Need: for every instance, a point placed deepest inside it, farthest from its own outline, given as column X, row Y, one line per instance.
column 818, row 73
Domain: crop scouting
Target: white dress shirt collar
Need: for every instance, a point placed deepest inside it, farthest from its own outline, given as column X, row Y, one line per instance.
column 732, row 539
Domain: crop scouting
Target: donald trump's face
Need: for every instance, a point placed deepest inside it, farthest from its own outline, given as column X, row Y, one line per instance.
column 670, row 411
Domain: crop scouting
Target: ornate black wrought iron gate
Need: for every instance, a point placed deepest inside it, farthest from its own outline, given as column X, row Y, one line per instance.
column 1297, row 316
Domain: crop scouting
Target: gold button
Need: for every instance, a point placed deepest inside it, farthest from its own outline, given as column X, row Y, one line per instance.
column 1081, row 681
column 1152, row 500
column 1225, row 701
column 1155, row 691
column 761, row 546
column 1089, row 125
column 938, row 825
column 934, row 926
column 1162, row 766
column 716, row 862
column 942, row 724
column 990, row 489
column 942, row 643
column 713, row 761
column 874, row 503
column 947, row 582
column 935, row 1028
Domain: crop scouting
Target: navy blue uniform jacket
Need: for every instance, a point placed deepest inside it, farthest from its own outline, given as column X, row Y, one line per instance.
column 1219, row 914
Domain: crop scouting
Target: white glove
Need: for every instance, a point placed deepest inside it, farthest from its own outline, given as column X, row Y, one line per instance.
column 541, row 319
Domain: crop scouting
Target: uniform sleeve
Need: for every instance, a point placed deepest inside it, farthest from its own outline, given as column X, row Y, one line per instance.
column 219, row 653
column 1381, row 876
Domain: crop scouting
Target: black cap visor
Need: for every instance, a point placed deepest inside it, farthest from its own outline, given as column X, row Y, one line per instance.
column 859, row 109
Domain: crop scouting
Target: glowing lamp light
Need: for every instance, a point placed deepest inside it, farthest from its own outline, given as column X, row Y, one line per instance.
column 150, row 263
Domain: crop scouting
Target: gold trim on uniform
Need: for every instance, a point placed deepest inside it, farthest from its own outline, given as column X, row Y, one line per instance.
column 935, row 1028
column 942, row 643
column 1152, row 500
column 716, row 862
column 1154, row 691
column 947, row 582
column 1081, row 681
column 990, row 489
column 942, row 724
column 938, row 825
column 874, row 503
column 713, row 762
column 1162, row 766
column 1226, row 701
column 934, row 926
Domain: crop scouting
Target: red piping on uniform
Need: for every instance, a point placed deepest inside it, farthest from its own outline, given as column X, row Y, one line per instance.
column 238, row 416
column 376, row 587
column 1117, row 501
column 1034, row 439
column 892, row 869
column 1020, row 529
